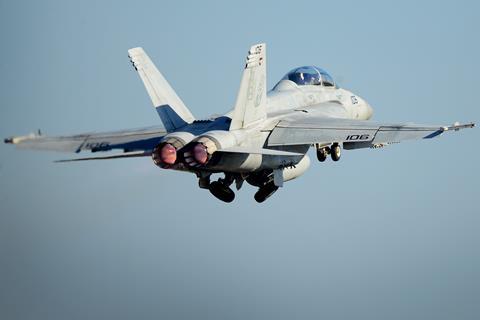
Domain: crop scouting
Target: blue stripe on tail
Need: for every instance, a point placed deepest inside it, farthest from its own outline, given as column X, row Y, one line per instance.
column 171, row 120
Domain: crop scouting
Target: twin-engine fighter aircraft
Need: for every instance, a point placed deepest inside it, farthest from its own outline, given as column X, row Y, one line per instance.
column 263, row 140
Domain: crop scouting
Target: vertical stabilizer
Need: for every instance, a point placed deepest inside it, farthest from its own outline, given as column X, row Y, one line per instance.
column 251, row 103
column 172, row 111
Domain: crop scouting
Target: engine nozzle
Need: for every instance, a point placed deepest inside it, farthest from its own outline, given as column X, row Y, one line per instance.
column 200, row 154
column 164, row 155
column 168, row 154
column 201, row 151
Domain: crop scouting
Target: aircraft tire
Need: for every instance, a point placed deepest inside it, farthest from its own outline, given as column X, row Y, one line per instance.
column 335, row 152
column 265, row 192
column 221, row 191
column 322, row 154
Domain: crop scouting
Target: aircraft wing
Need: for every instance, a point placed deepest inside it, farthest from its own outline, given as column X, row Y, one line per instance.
column 353, row 134
column 144, row 139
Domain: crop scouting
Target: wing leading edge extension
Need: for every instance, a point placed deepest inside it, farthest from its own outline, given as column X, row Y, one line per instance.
column 353, row 133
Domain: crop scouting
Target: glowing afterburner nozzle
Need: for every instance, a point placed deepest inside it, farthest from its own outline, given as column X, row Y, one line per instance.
column 200, row 154
column 168, row 154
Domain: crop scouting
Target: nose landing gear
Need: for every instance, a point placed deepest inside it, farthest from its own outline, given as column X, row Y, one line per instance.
column 220, row 188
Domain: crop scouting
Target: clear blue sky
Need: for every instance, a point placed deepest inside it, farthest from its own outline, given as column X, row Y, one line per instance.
column 382, row 234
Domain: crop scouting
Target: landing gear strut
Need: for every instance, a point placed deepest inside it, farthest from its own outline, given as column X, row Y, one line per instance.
column 222, row 191
column 264, row 181
column 220, row 188
column 204, row 181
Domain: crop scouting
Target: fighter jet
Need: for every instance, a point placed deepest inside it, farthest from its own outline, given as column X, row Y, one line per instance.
column 265, row 138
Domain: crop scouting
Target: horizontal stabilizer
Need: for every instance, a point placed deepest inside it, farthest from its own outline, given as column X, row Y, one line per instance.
column 142, row 139
column 108, row 157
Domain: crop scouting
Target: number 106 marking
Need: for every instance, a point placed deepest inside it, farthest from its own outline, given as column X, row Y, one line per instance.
column 355, row 137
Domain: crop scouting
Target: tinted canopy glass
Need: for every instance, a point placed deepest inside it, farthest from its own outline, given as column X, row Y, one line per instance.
column 309, row 75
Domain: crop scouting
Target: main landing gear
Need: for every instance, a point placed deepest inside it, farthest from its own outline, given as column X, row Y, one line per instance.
column 220, row 188
column 264, row 181
column 264, row 192
column 222, row 191
column 334, row 151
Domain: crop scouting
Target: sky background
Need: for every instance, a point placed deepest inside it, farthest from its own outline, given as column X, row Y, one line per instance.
column 382, row 234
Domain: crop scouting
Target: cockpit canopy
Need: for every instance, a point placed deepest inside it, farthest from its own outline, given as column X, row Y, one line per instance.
column 310, row 75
